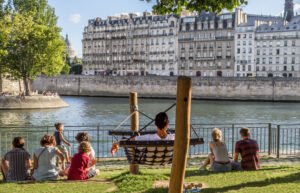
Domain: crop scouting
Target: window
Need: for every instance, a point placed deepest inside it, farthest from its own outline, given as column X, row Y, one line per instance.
column 285, row 60
column 294, row 43
column 239, row 36
column 249, row 67
column 250, row 51
column 293, row 69
column 257, row 60
column 238, row 50
column 264, row 60
column 293, row 60
column 270, row 60
column 285, row 43
column 284, row 68
column 238, row 68
column 278, row 51
column 277, row 60
column 258, row 52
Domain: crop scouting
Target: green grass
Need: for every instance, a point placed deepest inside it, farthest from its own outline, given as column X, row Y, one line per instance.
column 269, row 179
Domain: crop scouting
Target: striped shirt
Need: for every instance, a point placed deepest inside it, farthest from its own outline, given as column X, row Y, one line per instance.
column 248, row 149
column 17, row 159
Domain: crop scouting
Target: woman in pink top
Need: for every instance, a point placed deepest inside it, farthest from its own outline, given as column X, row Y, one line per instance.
column 79, row 168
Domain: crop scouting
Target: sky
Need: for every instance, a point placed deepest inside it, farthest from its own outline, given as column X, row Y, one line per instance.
column 73, row 15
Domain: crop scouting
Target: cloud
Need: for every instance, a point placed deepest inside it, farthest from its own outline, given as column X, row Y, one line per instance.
column 297, row 8
column 75, row 18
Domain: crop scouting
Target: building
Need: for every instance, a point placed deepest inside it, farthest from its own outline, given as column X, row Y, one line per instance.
column 245, row 49
column 69, row 48
column 278, row 49
column 131, row 45
column 206, row 45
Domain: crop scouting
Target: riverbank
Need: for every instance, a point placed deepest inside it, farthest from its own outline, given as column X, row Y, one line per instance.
column 204, row 88
column 31, row 102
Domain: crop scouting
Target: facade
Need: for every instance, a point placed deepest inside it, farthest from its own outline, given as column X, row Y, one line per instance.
column 131, row 45
column 245, row 42
column 278, row 49
column 206, row 45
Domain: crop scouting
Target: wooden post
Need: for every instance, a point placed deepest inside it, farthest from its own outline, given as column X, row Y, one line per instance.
column 134, row 124
column 182, row 137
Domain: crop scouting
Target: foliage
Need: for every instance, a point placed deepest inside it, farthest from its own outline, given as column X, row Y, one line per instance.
column 76, row 69
column 176, row 6
column 34, row 46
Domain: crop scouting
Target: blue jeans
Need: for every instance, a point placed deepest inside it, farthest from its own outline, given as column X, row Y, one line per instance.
column 217, row 167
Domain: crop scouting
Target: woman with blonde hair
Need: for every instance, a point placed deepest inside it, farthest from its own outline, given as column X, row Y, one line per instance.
column 218, row 157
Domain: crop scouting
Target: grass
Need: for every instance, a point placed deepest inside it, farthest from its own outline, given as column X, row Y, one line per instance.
column 269, row 179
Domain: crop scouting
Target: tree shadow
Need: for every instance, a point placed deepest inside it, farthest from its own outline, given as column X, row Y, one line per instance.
column 279, row 180
column 156, row 190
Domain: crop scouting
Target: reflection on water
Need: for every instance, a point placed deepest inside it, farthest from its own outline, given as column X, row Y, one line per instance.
column 92, row 111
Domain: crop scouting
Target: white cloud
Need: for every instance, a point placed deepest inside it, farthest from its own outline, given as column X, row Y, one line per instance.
column 75, row 18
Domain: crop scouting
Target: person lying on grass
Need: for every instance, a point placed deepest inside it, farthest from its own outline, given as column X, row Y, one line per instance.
column 16, row 162
column 162, row 123
column 45, row 160
column 81, row 137
column 79, row 168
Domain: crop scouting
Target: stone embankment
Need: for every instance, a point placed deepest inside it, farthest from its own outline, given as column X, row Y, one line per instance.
column 255, row 89
column 31, row 102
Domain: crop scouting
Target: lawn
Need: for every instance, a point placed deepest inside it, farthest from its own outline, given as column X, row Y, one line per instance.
column 269, row 179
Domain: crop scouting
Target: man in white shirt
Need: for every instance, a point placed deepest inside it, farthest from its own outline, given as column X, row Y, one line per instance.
column 162, row 123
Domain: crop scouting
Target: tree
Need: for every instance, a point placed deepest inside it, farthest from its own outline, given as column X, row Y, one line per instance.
column 34, row 46
column 176, row 6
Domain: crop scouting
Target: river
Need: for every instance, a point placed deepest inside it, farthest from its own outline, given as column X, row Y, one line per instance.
column 103, row 111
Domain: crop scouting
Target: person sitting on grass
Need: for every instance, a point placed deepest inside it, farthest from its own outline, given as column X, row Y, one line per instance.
column 162, row 123
column 16, row 163
column 81, row 137
column 45, row 160
column 60, row 141
column 218, row 157
column 79, row 169
column 249, row 151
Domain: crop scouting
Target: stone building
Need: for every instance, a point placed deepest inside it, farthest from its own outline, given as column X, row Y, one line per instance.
column 69, row 48
column 206, row 45
column 131, row 45
column 245, row 49
column 278, row 49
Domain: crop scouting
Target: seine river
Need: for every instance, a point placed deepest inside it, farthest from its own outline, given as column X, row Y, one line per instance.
column 111, row 111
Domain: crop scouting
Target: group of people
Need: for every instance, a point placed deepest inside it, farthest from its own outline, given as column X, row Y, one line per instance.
column 52, row 159
column 219, row 158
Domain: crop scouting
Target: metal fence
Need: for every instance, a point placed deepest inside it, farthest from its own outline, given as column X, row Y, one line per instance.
column 278, row 140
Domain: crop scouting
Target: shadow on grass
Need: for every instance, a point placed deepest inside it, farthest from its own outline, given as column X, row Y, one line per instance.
column 157, row 190
column 280, row 180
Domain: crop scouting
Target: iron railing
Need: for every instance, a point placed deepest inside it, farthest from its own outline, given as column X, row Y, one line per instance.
column 273, row 139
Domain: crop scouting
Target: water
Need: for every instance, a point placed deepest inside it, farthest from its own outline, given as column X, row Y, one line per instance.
column 103, row 111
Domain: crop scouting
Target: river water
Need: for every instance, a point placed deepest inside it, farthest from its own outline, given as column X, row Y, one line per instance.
column 111, row 111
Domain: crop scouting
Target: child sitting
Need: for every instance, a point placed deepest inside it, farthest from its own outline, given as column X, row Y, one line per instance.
column 79, row 168
column 83, row 136
column 59, row 138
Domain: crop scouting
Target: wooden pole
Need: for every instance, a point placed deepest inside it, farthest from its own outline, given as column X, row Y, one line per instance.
column 134, row 123
column 182, row 136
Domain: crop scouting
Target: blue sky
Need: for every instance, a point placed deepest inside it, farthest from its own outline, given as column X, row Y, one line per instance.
column 74, row 14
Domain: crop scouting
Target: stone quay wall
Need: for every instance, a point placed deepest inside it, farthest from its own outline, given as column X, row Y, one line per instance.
column 11, row 86
column 255, row 89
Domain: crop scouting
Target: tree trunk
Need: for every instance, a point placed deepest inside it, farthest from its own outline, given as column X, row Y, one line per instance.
column 26, row 83
column 1, row 84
